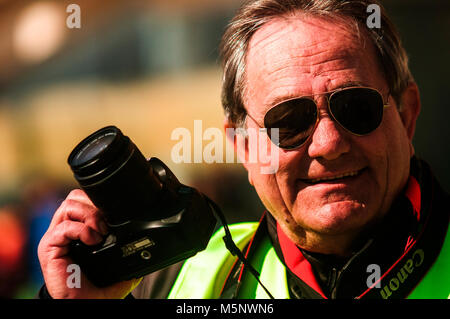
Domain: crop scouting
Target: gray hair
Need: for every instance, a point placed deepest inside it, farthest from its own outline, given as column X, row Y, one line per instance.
column 255, row 13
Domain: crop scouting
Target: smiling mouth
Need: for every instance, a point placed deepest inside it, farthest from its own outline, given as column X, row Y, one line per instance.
column 333, row 178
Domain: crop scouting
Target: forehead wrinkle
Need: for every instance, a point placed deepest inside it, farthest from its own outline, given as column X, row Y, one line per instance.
column 304, row 63
column 314, row 62
column 293, row 91
column 294, row 86
column 299, row 49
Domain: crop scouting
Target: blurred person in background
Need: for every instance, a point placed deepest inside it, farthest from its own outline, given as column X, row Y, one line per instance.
column 40, row 198
column 13, row 240
column 351, row 211
column 23, row 222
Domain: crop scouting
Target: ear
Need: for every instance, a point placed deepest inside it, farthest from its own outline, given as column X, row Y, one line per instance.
column 409, row 110
column 235, row 136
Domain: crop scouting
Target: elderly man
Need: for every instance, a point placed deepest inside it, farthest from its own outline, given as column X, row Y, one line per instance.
column 351, row 212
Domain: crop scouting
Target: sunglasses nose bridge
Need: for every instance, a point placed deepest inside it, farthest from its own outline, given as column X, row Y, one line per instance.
column 322, row 102
column 328, row 140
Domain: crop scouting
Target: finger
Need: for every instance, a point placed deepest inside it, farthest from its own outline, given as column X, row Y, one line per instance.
column 76, row 206
column 87, row 214
column 80, row 195
column 68, row 231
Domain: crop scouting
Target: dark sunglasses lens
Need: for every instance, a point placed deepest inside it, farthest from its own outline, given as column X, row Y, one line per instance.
column 359, row 110
column 295, row 120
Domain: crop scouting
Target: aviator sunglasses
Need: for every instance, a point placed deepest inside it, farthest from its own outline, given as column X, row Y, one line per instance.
column 359, row 110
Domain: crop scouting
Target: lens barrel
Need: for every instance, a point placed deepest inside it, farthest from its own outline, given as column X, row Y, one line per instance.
column 116, row 176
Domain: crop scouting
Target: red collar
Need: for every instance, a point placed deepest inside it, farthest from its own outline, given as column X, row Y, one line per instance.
column 297, row 263
column 414, row 195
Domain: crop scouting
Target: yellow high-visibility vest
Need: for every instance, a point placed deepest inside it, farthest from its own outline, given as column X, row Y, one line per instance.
column 203, row 276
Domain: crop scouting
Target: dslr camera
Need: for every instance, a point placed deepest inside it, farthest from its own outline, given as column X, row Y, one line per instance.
column 154, row 220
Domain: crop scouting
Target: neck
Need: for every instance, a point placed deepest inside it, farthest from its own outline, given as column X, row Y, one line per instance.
column 341, row 245
column 330, row 245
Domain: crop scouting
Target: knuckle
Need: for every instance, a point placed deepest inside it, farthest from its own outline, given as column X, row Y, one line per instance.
column 64, row 207
column 76, row 193
column 61, row 229
column 68, row 202
column 76, row 210
column 67, row 227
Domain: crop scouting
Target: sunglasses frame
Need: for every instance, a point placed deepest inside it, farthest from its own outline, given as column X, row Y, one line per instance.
column 328, row 96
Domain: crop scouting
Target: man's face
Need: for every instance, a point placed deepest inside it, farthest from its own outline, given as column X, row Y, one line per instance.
column 298, row 56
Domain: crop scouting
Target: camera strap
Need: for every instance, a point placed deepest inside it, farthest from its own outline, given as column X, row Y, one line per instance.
column 231, row 246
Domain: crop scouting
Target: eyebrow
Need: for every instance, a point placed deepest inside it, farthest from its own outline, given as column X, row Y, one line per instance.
column 349, row 84
column 287, row 97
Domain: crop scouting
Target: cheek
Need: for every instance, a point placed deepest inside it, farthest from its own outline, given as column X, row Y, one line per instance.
column 398, row 154
column 387, row 151
column 274, row 190
column 268, row 191
column 392, row 143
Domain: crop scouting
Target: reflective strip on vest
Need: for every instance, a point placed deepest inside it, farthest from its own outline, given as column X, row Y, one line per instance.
column 203, row 276
column 272, row 274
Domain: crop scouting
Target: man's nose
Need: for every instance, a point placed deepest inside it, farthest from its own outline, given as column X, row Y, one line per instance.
column 329, row 140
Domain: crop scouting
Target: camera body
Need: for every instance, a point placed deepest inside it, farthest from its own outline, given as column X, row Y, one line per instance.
column 166, row 221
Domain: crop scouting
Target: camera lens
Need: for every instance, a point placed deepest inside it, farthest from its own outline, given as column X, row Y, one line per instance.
column 93, row 148
column 115, row 175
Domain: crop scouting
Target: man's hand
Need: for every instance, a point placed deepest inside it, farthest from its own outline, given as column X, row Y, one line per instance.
column 76, row 219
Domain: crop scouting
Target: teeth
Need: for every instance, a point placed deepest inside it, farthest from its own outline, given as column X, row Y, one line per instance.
column 334, row 177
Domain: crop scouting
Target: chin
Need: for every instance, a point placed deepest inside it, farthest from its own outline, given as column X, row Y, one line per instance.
column 336, row 218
